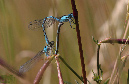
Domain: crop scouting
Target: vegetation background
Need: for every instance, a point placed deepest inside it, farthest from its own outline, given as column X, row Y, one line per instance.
column 99, row 18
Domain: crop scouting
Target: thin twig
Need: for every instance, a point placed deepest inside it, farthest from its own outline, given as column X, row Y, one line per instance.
column 98, row 58
column 59, row 71
column 111, row 40
column 75, row 14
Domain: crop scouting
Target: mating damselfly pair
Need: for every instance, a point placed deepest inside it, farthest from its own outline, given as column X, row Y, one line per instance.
column 44, row 23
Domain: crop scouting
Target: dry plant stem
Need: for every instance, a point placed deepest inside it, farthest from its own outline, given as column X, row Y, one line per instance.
column 111, row 40
column 126, row 30
column 121, row 67
column 119, row 57
column 119, row 70
column 42, row 69
column 126, row 25
column 125, row 34
column 75, row 14
column 115, row 77
column 59, row 71
column 120, row 41
column 128, row 77
column 113, row 72
column 10, row 68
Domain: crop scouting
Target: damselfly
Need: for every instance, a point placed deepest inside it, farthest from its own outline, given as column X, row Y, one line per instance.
column 44, row 23
column 48, row 21
column 29, row 64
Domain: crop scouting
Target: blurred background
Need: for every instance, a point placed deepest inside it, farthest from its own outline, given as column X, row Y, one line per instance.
column 99, row 18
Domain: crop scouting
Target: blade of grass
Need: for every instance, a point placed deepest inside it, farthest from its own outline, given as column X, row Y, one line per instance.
column 71, row 68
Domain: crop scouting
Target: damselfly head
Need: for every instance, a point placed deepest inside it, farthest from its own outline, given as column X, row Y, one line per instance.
column 70, row 15
column 51, row 43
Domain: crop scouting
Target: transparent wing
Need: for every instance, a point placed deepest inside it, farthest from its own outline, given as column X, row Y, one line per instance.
column 29, row 64
column 36, row 24
column 48, row 22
